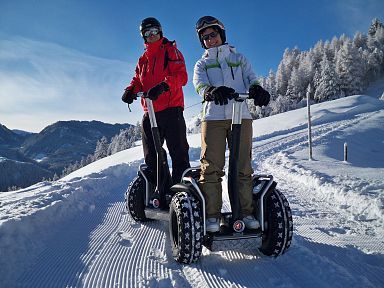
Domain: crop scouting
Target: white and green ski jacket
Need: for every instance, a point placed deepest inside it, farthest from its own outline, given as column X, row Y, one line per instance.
column 223, row 66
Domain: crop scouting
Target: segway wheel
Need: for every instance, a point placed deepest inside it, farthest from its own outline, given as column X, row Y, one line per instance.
column 134, row 199
column 277, row 236
column 185, row 227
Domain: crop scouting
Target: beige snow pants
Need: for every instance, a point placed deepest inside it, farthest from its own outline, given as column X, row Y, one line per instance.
column 215, row 135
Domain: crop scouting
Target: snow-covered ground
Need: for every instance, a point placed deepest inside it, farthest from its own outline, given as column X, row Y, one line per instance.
column 75, row 232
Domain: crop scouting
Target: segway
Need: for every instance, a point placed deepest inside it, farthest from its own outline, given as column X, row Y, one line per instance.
column 148, row 195
column 187, row 209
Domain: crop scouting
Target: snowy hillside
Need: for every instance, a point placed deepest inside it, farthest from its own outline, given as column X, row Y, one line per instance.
column 75, row 232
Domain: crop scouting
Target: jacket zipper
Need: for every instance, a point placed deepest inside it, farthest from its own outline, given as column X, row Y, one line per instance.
column 233, row 76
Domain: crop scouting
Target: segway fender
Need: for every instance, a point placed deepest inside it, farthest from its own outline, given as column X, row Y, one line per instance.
column 180, row 188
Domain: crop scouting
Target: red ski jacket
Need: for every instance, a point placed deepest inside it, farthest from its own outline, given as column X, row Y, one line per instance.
column 161, row 61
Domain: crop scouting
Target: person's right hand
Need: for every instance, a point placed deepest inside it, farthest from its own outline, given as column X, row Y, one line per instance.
column 219, row 94
column 128, row 96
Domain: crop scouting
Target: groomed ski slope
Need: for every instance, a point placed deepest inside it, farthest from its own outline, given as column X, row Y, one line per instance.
column 76, row 232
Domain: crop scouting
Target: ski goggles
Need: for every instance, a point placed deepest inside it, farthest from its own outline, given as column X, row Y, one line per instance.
column 210, row 35
column 151, row 31
column 207, row 21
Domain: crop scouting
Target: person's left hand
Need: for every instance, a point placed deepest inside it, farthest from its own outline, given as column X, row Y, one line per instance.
column 259, row 95
column 157, row 90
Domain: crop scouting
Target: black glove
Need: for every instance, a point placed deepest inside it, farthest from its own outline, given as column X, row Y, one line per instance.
column 259, row 95
column 157, row 90
column 128, row 96
column 219, row 94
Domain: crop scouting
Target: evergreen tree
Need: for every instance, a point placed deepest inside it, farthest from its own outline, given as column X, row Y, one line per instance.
column 316, row 54
column 138, row 131
column 360, row 41
column 280, row 105
column 335, row 45
column 349, row 69
column 101, row 150
column 329, row 50
column 375, row 25
column 328, row 86
column 375, row 45
column 270, row 84
column 295, row 89
column 282, row 79
column 283, row 74
column 374, row 63
column 306, row 68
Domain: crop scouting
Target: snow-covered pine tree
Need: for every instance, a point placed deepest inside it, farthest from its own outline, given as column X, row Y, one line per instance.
column 138, row 131
column 280, row 105
column 349, row 69
column 329, row 50
column 328, row 86
column 282, row 79
column 306, row 68
column 375, row 25
column 374, row 63
column 295, row 90
column 101, row 150
column 269, row 84
column 360, row 41
column 375, row 43
column 284, row 70
column 335, row 45
column 316, row 54
column 125, row 139
column 316, row 78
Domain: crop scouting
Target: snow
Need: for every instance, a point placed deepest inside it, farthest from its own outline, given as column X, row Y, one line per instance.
column 40, row 157
column 75, row 232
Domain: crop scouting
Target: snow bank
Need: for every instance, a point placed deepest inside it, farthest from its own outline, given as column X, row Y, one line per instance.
column 38, row 209
column 333, row 190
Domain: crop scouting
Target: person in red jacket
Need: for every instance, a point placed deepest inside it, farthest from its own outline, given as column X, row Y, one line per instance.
column 161, row 73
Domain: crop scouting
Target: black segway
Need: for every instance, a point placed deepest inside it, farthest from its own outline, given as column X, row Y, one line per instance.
column 148, row 195
column 187, row 209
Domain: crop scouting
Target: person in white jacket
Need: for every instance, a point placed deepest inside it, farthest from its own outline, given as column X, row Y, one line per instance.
column 219, row 74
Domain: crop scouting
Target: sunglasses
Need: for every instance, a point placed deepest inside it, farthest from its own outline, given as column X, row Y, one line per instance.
column 151, row 31
column 210, row 35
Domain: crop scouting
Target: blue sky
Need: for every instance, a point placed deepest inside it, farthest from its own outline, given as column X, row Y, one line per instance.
column 67, row 59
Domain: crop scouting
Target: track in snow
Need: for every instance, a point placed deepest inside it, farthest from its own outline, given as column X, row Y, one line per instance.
column 106, row 248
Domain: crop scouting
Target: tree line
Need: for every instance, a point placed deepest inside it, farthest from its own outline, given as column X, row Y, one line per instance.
column 124, row 140
column 331, row 69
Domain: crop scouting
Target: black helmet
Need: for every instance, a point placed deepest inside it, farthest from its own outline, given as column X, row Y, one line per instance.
column 148, row 23
column 209, row 21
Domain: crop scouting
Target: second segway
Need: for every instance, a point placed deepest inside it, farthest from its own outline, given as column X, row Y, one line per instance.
column 271, row 209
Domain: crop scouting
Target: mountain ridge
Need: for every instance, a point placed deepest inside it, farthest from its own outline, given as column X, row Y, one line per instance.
column 49, row 151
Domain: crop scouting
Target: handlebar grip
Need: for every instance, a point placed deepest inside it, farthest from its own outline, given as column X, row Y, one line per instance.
column 141, row 94
column 240, row 96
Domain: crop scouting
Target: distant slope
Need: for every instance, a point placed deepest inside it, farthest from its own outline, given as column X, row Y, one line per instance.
column 22, row 173
column 9, row 138
column 66, row 142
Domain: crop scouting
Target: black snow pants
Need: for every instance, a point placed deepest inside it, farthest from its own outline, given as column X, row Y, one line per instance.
column 172, row 129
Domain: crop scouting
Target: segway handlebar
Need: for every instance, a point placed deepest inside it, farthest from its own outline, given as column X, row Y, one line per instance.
column 151, row 111
column 240, row 96
column 141, row 94
column 158, row 197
